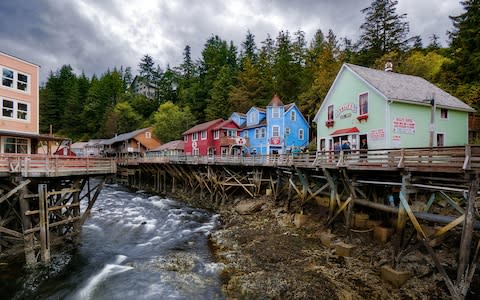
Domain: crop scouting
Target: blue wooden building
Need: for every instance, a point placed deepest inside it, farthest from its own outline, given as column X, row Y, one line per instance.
column 278, row 129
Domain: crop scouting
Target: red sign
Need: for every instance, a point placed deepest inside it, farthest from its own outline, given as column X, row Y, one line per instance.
column 275, row 140
column 194, row 144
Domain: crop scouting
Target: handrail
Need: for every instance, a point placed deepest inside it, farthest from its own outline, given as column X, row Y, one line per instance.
column 435, row 158
column 36, row 165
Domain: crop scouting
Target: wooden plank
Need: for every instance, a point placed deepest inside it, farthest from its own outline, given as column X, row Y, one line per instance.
column 52, row 208
column 11, row 232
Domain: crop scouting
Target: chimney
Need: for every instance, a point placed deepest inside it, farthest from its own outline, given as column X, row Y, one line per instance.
column 388, row 66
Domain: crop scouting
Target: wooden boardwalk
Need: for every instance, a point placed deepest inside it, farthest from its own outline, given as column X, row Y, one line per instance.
column 438, row 159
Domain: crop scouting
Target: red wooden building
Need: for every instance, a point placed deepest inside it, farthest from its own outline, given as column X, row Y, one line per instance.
column 217, row 137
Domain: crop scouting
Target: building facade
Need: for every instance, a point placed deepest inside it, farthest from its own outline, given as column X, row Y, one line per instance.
column 277, row 129
column 389, row 110
column 142, row 86
column 216, row 137
column 131, row 143
column 19, row 105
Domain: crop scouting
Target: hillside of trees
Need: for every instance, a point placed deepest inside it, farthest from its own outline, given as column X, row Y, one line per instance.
column 229, row 77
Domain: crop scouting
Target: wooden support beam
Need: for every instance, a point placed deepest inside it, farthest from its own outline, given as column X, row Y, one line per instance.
column 467, row 232
column 341, row 208
column 14, row 190
column 30, row 258
column 91, row 201
column 43, row 223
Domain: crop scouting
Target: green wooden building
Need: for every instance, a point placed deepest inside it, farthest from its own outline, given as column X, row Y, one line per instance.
column 389, row 110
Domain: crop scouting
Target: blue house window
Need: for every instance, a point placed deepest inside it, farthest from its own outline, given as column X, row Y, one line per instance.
column 275, row 112
column 301, row 134
column 275, row 131
column 262, row 132
column 287, row 130
column 293, row 115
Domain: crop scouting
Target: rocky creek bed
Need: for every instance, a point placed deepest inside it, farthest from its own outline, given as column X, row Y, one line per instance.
column 266, row 256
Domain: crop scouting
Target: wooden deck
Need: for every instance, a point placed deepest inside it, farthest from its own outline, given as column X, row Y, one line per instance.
column 437, row 159
column 54, row 166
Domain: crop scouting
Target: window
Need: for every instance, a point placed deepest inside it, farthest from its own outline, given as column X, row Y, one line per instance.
column 363, row 103
column 253, row 118
column 216, row 134
column 262, row 132
column 287, row 130
column 440, row 139
column 301, row 134
column 245, row 134
column 330, row 113
column 185, row 138
column 196, row 151
column 257, row 133
column 443, row 113
column 275, row 112
column 15, row 145
column 7, row 108
column 231, row 133
column 275, row 131
column 14, row 109
column 293, row 115
column 148, row 135
column 204, row 135
column 195, row 136
column 15, row 80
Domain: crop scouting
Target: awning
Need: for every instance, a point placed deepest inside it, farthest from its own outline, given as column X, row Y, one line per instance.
column 345, row 131
column 40, row 137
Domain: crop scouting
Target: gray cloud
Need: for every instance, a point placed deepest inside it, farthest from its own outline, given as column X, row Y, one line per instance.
column 93, row 36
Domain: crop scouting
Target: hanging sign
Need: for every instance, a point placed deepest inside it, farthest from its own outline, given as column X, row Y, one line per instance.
column 345, row 107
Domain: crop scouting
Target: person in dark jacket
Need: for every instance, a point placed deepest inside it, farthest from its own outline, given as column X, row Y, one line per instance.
column 363, row 150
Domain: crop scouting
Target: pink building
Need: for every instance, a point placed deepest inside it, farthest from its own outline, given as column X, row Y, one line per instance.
column 19, row 106
column 217, row 137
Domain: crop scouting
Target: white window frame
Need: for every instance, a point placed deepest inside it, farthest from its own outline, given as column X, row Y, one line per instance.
column 195, row 136
column 275, row 112
column 204, row 134
column 257, row 133
column 262, row 132
column 16, row 143
column 231, row 133
column 16, row 111
column 446, row 113
column 216, row 134
column 328, row 112
column 360, row 112
column 196, row 151
column 287, row 131
column 436, row 138
column 301, row 134
column 275, row 131
column 185, row 138
column 293, row 115
column 148, row 135
column 15, row 80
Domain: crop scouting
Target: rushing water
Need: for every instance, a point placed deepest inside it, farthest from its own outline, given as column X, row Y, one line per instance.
column 134, row 246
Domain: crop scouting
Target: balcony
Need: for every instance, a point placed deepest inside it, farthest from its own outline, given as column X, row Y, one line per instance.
column 233, row 141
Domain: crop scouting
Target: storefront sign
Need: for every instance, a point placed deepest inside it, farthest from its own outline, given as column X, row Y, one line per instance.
column 376, row 134
column 275, row 140
column 404, row 125
column 345, row 107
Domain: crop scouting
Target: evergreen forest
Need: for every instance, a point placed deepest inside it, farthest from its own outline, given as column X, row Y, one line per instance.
column 228, row 77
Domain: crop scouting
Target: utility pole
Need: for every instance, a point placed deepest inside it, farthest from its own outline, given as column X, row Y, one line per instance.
column 432, row 121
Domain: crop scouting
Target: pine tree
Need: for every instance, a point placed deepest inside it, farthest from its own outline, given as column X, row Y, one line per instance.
column 383, row 31
column 465, row 39
column 249, row 49
column 146, row 68
column 218, row 105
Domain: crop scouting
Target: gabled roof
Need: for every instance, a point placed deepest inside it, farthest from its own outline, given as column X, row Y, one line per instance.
column 239, row 114
column 400, row 87
column 275, row 101
column 124, row 136
column 202, row 126
column 261, row 124
column 223, row 125
column 395, row 86
column 172, row 145
column 258, row 108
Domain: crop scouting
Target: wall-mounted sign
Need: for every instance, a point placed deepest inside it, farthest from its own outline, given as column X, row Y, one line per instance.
column 194, row 144
column 346, row 107
column 376, row 134
column 396, row 141
column 404, row 125
column 275, row 140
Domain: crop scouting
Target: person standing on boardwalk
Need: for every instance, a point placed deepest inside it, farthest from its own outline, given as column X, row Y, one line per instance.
column 363, row 150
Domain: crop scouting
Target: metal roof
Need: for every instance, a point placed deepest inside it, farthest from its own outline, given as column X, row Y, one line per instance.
column 409, row 88
column 124, row 136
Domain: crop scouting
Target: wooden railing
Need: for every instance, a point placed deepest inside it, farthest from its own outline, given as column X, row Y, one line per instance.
column 436, row 159
column 54, row 166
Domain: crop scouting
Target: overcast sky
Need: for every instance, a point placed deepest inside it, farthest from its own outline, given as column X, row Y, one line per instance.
column 94, row 35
